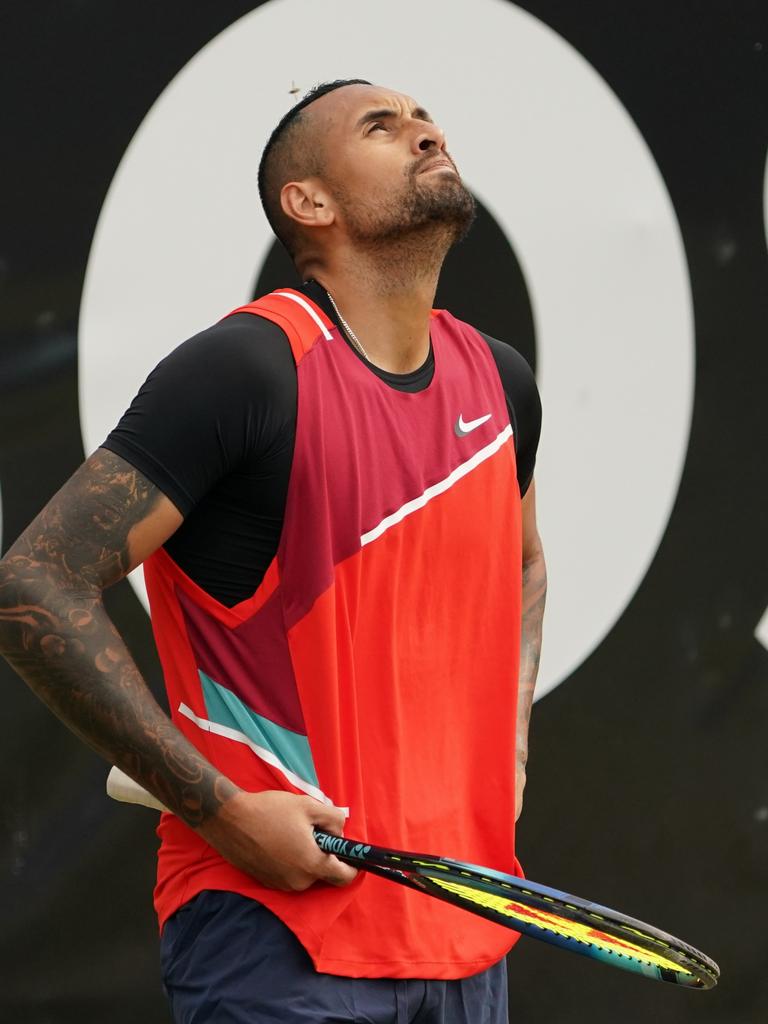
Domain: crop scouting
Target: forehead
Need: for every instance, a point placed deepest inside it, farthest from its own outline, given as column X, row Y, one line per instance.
column 343, row 107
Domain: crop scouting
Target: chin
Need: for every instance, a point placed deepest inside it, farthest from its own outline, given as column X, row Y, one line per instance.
column 448, row 202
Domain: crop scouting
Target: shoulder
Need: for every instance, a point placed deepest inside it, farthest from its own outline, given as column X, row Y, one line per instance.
column 513, row 367
column 223, row 398
column 522, row 394
column 240, row 363
column 241, row 343
column 517, row 377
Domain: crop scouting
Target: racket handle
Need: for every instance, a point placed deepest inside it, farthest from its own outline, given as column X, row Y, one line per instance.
column 122, row 787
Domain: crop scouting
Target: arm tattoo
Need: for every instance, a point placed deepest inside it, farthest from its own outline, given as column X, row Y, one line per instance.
column 534, row 597
column 56, row 634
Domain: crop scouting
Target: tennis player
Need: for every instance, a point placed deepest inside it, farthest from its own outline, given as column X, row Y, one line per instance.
column 331, row 492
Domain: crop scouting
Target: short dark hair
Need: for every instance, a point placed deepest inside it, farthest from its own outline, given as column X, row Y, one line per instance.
column 282, row 160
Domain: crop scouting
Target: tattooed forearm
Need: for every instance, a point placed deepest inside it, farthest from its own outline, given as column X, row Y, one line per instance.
column 534, row 596
column 56, row 634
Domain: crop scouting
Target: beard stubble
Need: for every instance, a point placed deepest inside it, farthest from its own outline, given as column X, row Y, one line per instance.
column 420, row 212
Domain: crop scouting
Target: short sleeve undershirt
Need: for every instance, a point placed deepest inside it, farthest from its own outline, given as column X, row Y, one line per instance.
column 213, row 427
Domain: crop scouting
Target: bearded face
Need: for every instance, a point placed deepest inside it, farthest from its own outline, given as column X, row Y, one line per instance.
column 427, row 201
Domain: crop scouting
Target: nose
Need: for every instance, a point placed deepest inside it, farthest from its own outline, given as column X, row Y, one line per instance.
column 428, row 136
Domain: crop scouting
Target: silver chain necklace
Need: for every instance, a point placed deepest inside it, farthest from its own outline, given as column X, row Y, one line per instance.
column 347, row 329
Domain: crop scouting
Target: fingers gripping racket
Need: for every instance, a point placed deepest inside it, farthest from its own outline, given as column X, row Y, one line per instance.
column 536, row 910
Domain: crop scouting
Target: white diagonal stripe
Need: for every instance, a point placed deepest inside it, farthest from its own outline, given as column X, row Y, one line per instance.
column 303, row 302
column 438, row 488
column 266, row 755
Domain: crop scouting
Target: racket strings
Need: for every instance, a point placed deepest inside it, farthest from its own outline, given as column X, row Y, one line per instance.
column 578, row 926
column 573, row 931
column 682, row 959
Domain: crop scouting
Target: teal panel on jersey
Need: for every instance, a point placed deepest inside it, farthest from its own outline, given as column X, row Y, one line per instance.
column 290, row 748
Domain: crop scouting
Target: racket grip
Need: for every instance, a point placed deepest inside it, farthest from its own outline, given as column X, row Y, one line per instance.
column 122, row 787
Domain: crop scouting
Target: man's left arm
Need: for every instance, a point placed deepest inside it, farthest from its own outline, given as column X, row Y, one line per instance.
column 534, row 595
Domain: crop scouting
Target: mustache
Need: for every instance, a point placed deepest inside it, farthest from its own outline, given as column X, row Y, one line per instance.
column 429, row 158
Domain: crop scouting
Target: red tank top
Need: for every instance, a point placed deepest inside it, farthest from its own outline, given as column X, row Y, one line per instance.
column 375, row 667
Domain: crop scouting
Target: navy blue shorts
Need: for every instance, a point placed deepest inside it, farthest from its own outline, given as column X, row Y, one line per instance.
column 227, row 959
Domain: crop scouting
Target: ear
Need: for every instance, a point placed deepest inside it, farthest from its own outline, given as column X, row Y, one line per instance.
column 307, row 203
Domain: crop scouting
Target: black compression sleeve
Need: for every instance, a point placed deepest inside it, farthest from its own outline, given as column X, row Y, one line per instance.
column 519, row 385
column 220, row 402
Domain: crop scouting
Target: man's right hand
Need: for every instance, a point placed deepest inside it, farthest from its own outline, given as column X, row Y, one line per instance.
column 269, row 835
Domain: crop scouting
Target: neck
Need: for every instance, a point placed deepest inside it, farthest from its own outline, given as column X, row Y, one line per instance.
column 385, row 295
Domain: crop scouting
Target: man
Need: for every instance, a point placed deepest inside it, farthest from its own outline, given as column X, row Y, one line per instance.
column 331, row 493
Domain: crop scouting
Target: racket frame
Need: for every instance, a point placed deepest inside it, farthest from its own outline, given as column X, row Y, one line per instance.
column 425, row 872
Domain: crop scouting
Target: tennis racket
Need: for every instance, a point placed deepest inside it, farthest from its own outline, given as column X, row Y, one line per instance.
column 536, row 910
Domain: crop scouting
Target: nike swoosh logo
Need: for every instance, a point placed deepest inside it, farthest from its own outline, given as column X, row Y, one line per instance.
column 463, row 428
